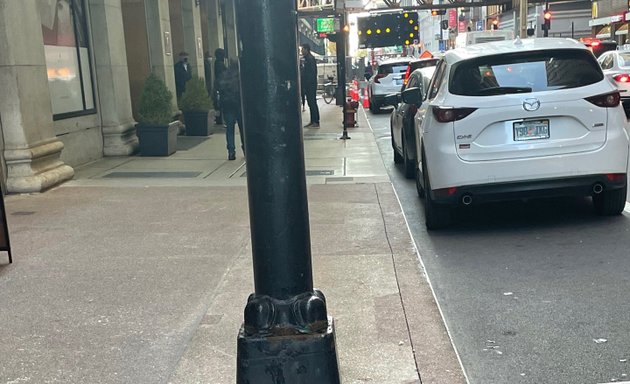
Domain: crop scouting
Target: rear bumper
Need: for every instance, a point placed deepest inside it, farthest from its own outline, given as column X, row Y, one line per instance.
column 569, row 186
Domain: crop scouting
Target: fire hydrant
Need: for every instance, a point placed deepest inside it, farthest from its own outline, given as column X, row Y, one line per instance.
column 349, row 113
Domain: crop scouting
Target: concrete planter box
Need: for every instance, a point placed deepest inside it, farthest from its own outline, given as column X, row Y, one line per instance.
column 157, row 140
column 196, row 123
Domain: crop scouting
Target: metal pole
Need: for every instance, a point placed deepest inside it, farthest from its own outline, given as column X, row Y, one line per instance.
column 286, row 336
column 342, row 42
column 523, row 19
column 572, row 29
column 546, row 30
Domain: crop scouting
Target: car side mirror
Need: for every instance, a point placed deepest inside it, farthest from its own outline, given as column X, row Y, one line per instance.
column 412, row 95
column 367, row 76
column 392, row 99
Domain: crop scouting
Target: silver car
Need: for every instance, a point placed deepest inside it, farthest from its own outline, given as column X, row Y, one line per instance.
column 387, row 80
column 616, row 66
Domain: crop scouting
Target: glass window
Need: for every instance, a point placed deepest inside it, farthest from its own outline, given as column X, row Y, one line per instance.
column 524, row 72
column 392, row 68
column 436, row 80
column 607, row 61
column 625, row 57
column 66, row 47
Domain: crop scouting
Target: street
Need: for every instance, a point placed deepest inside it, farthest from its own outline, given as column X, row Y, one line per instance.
column 531, row 292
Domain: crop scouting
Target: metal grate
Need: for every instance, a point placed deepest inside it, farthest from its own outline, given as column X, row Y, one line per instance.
column 313, row 172
column 163, row 175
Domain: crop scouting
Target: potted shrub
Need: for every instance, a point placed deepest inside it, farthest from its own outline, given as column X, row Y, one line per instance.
column 157, row 133
column 195, row 105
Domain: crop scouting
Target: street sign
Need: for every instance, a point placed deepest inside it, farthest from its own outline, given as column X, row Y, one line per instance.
column 442, row 45
column 479, row 25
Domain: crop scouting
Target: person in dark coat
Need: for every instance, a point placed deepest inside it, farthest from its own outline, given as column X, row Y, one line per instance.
column 309, row 85
column 230, row 99
column 219, row 68
column 183, row 73
column 303, row 94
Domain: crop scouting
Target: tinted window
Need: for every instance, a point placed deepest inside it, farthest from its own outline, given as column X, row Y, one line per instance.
column 606, row 61
column 423, row 64
column 436, row 80
column 524, row 72
column 385, row 69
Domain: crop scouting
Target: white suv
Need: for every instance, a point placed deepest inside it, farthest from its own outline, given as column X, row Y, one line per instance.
column 519, row 119
column 388, row 79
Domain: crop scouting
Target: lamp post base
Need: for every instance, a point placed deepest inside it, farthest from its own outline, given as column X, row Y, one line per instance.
column 296, row 359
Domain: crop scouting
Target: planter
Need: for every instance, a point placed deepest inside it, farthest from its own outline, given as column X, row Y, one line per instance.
column 196, row 123
column 157, row 140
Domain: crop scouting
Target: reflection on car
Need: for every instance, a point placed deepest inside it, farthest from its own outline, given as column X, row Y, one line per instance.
column 519, row 119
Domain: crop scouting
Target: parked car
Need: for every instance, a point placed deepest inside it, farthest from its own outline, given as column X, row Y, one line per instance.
column 402, row 118
column 387, row 80
column 417, row 64
column 519, row 119
column 616, row 66
column 598, row 47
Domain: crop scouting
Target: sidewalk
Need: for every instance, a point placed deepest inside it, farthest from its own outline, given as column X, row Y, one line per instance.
column 138, row 270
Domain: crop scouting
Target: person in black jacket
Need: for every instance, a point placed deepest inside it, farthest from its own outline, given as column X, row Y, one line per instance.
column 219, row 68
column 309, row 85
column 183, row 73
column 230, row 99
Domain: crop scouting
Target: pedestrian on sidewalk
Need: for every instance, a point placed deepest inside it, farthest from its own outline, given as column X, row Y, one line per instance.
column 309, row 85
column 302, row 93
column 219, row 68
column 230, row 100
column 183, row 73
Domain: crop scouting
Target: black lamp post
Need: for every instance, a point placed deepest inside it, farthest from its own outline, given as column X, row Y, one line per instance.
column 287, row 336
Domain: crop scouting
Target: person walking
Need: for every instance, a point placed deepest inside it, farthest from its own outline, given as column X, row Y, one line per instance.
column 309, row 85
column 219, row 68
column 230, row 99
column 182, row 74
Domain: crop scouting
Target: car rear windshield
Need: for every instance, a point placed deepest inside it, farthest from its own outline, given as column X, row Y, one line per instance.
column 524, row 72
column 423, row 64
column 385, row 69
column 625, row 56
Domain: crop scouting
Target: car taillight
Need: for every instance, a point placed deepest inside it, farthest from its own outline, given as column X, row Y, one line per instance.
column 608, row 100
column 379, row 76
column 616, row 177
column 407, row 74
column 622, row 78
column 445, row 115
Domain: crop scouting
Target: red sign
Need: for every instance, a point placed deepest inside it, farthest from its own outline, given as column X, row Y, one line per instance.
column 452, row 18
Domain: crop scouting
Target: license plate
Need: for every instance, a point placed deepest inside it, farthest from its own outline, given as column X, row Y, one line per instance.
column 531, row 130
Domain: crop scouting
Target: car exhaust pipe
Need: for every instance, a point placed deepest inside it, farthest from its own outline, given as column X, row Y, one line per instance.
column 467, row 199
column 598, row 188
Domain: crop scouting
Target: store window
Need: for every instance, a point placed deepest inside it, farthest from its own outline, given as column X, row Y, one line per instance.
column 64, row 27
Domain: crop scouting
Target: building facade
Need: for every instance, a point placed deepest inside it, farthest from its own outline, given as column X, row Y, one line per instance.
column 72, row 73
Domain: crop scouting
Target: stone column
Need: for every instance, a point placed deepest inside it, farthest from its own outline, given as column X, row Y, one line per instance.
column 229, row 19
column 160, row 44
column 31, row 148
column 112, row 75
column 192, row 35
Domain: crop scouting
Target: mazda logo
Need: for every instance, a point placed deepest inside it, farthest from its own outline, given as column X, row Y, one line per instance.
column 531, row 104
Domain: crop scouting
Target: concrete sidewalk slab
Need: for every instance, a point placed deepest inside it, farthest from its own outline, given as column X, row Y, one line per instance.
column 138, row 270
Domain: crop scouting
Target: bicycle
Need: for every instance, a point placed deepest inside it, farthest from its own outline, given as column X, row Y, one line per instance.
column 329, row 90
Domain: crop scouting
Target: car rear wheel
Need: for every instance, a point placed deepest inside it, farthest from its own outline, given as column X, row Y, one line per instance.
column 408, row 166
column 610, row 203
column 436, row 216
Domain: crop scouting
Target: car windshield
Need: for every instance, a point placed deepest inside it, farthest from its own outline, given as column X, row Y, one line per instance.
column 524, row 72
column 385, row 69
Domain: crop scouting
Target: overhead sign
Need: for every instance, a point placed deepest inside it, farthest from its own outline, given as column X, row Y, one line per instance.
column 388, row 29
column 325, row 25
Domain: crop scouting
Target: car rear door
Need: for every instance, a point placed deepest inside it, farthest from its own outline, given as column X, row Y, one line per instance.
column 528, row 105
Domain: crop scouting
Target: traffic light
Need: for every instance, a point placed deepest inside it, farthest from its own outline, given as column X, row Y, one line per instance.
column 547, row 18
column 495, row 24
column 409, row 29
column 437, row 12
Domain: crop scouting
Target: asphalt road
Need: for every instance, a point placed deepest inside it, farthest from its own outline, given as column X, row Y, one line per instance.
column 532, row 292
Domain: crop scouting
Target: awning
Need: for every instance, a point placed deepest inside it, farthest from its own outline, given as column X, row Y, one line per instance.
column 623, row 30
column 604, row 33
